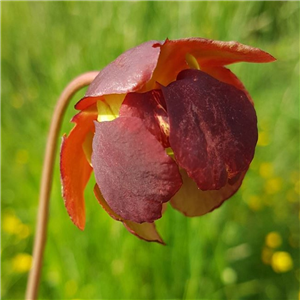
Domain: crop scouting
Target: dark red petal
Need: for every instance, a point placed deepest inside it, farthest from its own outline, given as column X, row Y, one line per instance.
column 149, row 108
column 133, row 171
column 213, row 129
column 128, row 73
column 145, row 231
column 225, row 75
column 193, row 202
column 74, row 167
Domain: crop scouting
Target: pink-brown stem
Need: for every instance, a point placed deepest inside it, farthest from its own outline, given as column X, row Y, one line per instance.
column 46, row 180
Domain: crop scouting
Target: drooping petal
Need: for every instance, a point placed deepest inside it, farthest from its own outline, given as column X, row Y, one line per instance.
column 128, row 73
column 74, row 166
column 193, row 202
column 149, row 108
column 144, row 231
column 213, row 130
column 207, row 52
column 132, row 170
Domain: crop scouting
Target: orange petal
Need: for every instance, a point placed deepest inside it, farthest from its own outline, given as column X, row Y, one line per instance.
column 207, row 53
column 144, row 231
column 74, row 166
column 193, row 202
column 86, row 102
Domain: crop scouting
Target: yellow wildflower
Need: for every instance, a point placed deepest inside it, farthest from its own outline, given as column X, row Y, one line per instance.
column 273, row 239
column 21, row 263
column 273, row 185
column 282, row 262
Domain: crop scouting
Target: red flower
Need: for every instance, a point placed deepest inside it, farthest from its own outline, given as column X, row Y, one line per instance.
column 165, row 121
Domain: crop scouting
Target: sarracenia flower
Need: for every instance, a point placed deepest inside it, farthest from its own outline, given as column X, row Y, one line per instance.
column 164, row 122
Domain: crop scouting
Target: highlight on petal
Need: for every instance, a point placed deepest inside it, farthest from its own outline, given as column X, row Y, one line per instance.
column 149, row 108
column 144, row 231
column 213, row 130
column 74, row 166
column 109, row 107
column 128, row 73
column 113, row 101
column 193, row 202
column 132, row 170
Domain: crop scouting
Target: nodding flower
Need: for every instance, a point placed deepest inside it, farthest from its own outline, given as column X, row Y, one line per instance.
column 164, row 122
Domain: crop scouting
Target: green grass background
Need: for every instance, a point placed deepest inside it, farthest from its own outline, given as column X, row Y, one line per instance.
column 223, row 255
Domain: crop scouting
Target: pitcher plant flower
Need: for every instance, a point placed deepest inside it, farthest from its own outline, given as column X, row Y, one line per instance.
column 164, row 122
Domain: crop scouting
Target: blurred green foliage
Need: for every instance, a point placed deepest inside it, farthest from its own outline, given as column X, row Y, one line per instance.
column 247, row 249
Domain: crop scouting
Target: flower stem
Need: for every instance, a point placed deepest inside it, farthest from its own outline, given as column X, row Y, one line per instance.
column 46, row 180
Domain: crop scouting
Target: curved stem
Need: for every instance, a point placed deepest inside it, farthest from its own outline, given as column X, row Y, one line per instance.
column 46, row 180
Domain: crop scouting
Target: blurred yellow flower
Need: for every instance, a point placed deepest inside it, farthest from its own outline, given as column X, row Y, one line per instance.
column 273, row 239
column 273, row 185
column 266, row 170
column 21, row 263
column 23, row 231
column 263, row 139
column 281, row 262
column 11, row 224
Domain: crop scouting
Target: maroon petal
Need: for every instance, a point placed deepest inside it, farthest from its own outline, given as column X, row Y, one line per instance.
column 132, row 170
column 128, row 73
column 149, row 108
column 213, row 129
